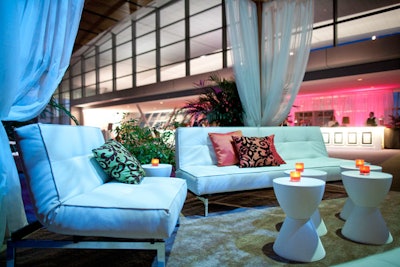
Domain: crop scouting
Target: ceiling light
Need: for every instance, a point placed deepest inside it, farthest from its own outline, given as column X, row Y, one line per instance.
column 373, row 37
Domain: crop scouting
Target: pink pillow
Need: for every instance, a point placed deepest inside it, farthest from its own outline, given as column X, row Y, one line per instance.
column 224, row 149
column 257, row 151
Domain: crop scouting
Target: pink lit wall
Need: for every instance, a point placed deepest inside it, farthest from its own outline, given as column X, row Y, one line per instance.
column 354, row 104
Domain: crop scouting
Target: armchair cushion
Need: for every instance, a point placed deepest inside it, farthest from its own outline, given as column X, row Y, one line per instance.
column 257, row 151
column 119, row 163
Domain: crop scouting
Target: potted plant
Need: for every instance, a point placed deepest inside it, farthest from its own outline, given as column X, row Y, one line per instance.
column 219, row 104
column 146, row 143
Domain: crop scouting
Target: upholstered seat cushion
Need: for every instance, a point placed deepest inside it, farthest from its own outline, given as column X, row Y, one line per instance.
column 206, row 179
column 115, row 209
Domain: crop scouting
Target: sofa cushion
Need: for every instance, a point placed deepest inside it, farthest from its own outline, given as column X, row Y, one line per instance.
column 224, row 148
column 119, row 163
column 257, row 151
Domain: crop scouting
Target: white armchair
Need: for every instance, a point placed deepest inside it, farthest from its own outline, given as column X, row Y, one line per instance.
column 73, row 196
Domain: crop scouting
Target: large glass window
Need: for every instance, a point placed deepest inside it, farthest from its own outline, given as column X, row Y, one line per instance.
column 146, row 43
column 90, row 63
column 206, row 44
column 90, row 78
column 174, row 71
column 124, row 35
column 105, row 58
column 124, row 82
column 146, row 77
column 77, row 93
column 145, row 25
column 77, row 82
column 64, row 85
column 205, row 41
column 173, row 33
column 106, row 43
column 105, row 87
column 124, row 51
column 146, row 61
column 206, row 64
column 76, row 68
column 196, row 6
column 172, row 13
column 124, row 68
column 105, row 73
column 206, row 21
column 172, row 53
column 90, row 91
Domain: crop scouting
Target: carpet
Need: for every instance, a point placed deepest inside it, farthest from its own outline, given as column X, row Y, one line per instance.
column 244, row 237
column 230, row 236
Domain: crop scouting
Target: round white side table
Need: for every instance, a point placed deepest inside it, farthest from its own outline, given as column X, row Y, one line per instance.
column 348, row 205
column 298, row 239
column 162, row 170
column 365, row 223
column 316, row 217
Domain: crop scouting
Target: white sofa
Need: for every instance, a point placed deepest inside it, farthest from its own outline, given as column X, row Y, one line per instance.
column 72, row 195
column 196, row 159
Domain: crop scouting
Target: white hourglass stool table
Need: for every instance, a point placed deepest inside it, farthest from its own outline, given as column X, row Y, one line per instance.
column 365, row 223
column 298, row 239
column 348, row 205
column 162, row 170
column 316, row 217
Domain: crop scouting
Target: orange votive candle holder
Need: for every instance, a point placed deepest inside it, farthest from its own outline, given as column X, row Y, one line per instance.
column 155, row 162
column 295, row 176
column 364, row 169
column 299, row 166
column 359, row 163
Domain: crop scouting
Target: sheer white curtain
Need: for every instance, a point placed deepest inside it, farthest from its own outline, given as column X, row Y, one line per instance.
column 243, row 30
column 285, row 46
column 35, row 49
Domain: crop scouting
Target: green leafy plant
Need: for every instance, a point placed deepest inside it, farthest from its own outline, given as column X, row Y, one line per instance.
column 54, row 105
column 219, row 104
column 146, row 143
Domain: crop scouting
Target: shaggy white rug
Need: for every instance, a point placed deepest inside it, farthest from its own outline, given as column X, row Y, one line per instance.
column 245, row 236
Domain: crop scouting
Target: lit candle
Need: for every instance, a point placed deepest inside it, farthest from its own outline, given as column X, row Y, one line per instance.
column 295, row 176
column 154, row 162
column 299, row 166
column 359, row 162
column 364, row 169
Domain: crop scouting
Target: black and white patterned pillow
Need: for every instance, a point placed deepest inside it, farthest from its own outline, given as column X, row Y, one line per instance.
column 257, row 151
column 119, row 163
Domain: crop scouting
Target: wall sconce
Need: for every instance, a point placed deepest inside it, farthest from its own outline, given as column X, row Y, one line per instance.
column 345, row 121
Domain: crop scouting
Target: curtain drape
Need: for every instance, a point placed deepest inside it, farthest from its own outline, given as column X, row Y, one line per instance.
column 243, row 30
column 267, row 90
column 35, row 49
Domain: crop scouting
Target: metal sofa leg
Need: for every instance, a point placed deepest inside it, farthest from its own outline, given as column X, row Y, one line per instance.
column 205, row 201
column 161, row 254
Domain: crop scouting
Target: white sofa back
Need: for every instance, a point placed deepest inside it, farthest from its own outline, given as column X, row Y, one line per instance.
column 56, row 158
column 194, row 148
